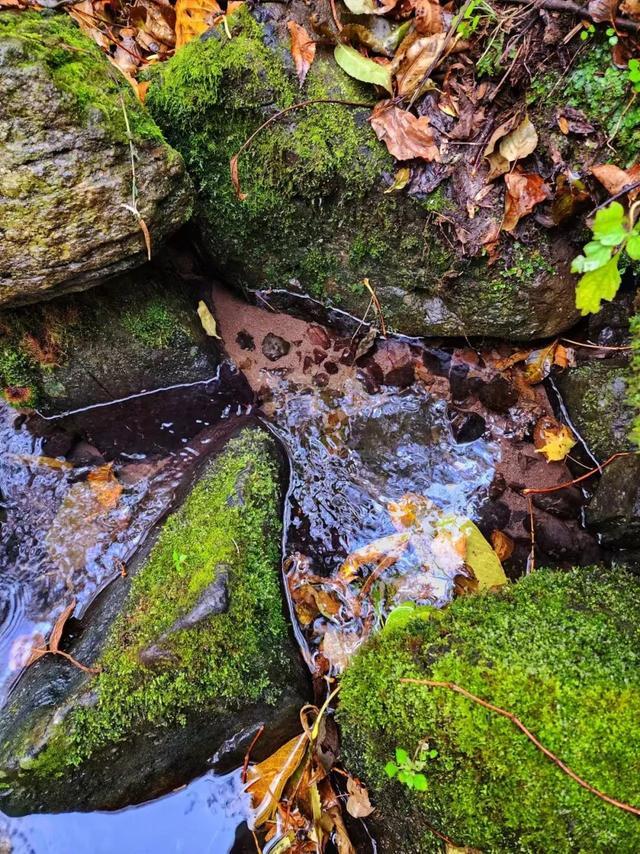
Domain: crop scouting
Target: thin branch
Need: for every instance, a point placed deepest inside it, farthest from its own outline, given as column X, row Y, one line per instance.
column 543, row 490
column 626, row 189
column 571, row 8
column 451, row 686
column 247, row 756
column 531, row 560
column 595, row 346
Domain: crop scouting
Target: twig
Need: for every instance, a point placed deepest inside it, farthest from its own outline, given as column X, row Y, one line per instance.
column 247, row 756
column 595, row 346
column 133, row 207
column 336, row 17
column 233, row 163
column 543, row 490
column 626, row 189
column 430, row 683
column 571, row 8
column 531, row 560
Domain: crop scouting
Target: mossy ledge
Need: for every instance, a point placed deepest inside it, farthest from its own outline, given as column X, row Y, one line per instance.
column 316, row 215
column 203, row 683
column 559, row 650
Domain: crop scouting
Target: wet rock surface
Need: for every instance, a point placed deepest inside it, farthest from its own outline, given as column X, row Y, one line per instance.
column 65, row 175
column 614, row 511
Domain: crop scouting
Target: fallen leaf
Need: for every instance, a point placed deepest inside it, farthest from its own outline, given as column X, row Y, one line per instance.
column 412, row 64
column 630, row 8
column 552, row 439
column 235, row 178
column 207, row 320
column 564, row 357
column 429, row 17
column 571, row 197
column 105, row 486
column 400, row 181
column 614, row 179
column 370, row 7
column 267, row 779
column 303, row 49
column 358, row 803
column 525, row 190
column 58, row 629
column 520, row 142
column 362, row 68
column 385, row 549
column 502, row 544
column 538, row 364
column 602, row 11
column 481, row 558
column 571, row 120
column 193, row 18
column 406, row 136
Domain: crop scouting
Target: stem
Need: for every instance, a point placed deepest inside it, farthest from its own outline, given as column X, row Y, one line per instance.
column 451, row 686
column 571, row 8
column 543, row 490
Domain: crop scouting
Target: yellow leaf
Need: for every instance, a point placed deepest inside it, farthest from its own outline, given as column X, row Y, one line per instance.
column 193, row 18
column 521, row 142
column 207, row 320
column 482, row 559
column 266, row 781
column 558, row 444
column 104, row 486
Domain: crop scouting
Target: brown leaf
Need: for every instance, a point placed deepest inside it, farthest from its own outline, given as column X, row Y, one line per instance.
column 499, row 133
column 268, row 779
column 602, row 11
column 412, row 63
column 193, row 18
column 358, row 803
column 520, row 142
column 538, row 364
column 105, row 486
column 56, row 633
column 36, row 653
column 630, row 8
column 571, row 120
column 614, row 179
column 233, row 166
column 303, row 49
column 430, row 17
column 502, row 544
column 570, row 198
column 525, row 190
column 405, row 135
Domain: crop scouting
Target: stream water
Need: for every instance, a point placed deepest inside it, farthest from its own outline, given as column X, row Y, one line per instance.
column 359, row 437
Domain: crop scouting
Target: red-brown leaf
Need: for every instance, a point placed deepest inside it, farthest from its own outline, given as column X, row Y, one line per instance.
column 405, row 135
column 602, row 11
column 614, row 179
column 303, row 49
column 524, row 191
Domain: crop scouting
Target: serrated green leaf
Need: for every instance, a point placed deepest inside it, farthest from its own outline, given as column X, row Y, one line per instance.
column 597, row 285
column 633, row 247
column 608, row 226
column 402, row 757
column 361, row 68
column 595, row 255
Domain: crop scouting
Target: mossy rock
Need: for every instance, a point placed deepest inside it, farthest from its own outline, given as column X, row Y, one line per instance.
column 559, row 650
column 141, row 331
column 66, row 168
column 316, row 216
column 614, row 510
column 193, row 647
column 596, row 395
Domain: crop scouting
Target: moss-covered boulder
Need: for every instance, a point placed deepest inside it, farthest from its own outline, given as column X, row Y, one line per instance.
column 194, row 652
column 316, row 215
column 69, row 128
column 559, row 650
column 139, row 332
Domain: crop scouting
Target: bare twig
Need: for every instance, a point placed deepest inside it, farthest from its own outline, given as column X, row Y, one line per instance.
column 543, row 490
column 595, row 346
column 247, row 756
column 626, row 189
column 570, row 8
column 133, row 207
column 451, row 686
column 531, row 560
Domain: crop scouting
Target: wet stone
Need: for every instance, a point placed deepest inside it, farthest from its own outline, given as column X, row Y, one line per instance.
column 245, row 340
column 466, row 426
column 498, row 395
column 274, row 347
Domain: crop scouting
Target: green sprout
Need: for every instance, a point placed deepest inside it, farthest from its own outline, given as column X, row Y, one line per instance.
column 409, row 770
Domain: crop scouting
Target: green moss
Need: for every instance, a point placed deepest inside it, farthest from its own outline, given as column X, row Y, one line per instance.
column 634, row 384
column 80, row 70
column 154, row 325
column 562, row 652
column 231, row 520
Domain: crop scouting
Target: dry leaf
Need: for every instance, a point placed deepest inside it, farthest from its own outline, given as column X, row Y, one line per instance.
column 303, row 49
column 552, row 439
column 267, row 779
column 358, row 803
column 630, row 8
column 429, row 17
column 602, row 11
column 411, row 64
column 235, row 178
column 405, row 135
column 193, row 18
column 207, row 320
column 614, row 179
column 400, row 181
column 502, row 544
column 525, row 190
column 56, row 633
column 105, row 486
column 520, row 142
column 538, row 364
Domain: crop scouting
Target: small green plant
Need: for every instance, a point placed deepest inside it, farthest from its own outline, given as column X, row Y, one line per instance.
column 476, row 12
column 178, row 559
column 634, row 74
column 409, row 770
column 588, row 33
column 612, row 36
column 613, row 233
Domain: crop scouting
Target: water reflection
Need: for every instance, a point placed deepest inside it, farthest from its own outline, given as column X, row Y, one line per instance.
column 203, row 817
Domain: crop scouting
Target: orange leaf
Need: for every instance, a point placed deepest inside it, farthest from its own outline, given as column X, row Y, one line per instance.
column 405, row 135
column 104, row 486
column 303, row 49
column 525, row 190
column 502, row 545
column 268, row 779
column 614, row 179
column 193, row 18
column 552, row 439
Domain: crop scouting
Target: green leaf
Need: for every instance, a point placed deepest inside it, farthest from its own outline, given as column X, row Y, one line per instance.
column 595, row 255
column 402, row 757
column 391, row 769
column 420, row 783
column 608, row 226
column 404, row 613
column 364, row 69
column 633, row 247
column 597, row 285
column 405, row 777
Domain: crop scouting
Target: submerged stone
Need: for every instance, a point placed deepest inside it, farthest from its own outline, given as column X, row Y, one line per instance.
column 316, row 216
column 559, row 650
column 69, row 128
column 207, row 601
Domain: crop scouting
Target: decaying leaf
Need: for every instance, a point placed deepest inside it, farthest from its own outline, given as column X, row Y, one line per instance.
column 602, row 11
column 303, row 49
column 362, row 68
column 481, row 558
column 370, row 7
column 235, row 178
column 525, row 190
column 385, row 549
column 207, row 320
column 406, row 136
column 538, row 364
column 502, row 544
column 267, row 779
column 358, row 803
column 105, row 486
column 193, row 18
column 400, row 181
column 520, row 142
column 430, row 17
column 614, row 179
column 552, row 439
column 53, row 647
column 412, row 63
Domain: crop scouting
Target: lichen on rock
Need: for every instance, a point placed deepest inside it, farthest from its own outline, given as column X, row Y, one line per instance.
column 185, row 665
column 560, row 651
column 66, row 171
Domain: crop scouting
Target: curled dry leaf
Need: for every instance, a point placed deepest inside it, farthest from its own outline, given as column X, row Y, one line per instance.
column 552, row 439
column 502, row 545
column 414, row 60
column 235, row 178
column 193, row 18
column 602, row 11
column 430, row 17
column 358, row 803
column 406, row 136
column 303, row 49
column 525, row 190
column 267, row 780
column 614, row 179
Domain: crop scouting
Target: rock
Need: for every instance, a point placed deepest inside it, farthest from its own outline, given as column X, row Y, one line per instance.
column 559, row 650
column 498, row 394
column 595, row 395
column 614, row 511
column 224, row 661
column 139, row 332
column 315, row 183
column 274, row 347
column 466, row 426
column 65, row 172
